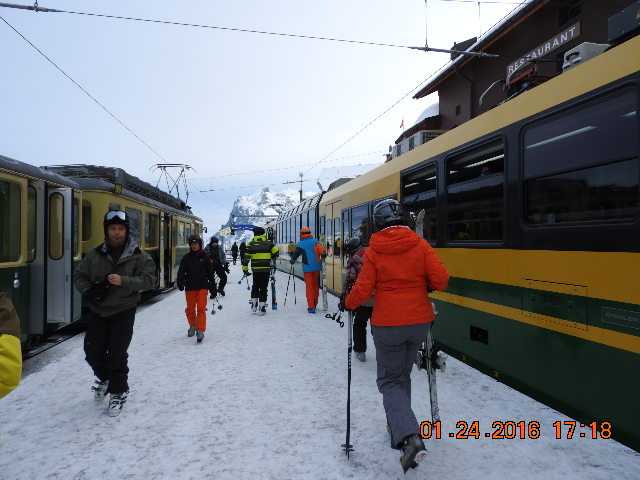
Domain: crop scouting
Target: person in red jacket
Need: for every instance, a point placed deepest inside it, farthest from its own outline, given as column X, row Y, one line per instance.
column 401, row 268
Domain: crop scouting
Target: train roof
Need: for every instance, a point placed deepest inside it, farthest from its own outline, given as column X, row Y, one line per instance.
column 28, row 170
column 105, row 185
column 121, row 177
column 306, row 204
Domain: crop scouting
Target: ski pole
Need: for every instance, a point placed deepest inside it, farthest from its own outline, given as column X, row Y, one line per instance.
column 295, row 298
column 248, row 287
column 348, row 448
column 287, row 290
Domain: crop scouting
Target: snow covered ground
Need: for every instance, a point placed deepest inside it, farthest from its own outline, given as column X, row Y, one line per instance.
column 264, row 398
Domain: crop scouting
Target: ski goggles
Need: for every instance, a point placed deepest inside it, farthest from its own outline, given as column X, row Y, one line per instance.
column 113, row 214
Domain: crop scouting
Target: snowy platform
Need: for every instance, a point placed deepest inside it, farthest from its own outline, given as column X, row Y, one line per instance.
column 264, row 398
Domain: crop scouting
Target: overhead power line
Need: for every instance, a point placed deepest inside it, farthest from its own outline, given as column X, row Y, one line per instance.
column 86, row 92
column 36, row 8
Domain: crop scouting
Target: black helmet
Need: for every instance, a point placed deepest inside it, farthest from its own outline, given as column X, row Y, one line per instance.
column 353, row 245
column 387, row 213
column 214, row 239
column 194, row 239
column 115, row 216
column 258, row 231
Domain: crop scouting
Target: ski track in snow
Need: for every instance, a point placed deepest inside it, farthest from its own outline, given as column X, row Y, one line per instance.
column 264, row 398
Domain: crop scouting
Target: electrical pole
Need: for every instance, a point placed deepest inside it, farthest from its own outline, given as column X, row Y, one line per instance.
column 302, row 180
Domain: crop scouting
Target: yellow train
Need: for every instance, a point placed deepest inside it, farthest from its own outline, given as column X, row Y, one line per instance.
column 534, row 206
column 51, row 216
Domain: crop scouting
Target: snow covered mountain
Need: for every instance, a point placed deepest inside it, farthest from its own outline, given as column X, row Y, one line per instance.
column 251, row 209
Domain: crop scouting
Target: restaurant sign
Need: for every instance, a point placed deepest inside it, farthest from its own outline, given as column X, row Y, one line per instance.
column 546, row 48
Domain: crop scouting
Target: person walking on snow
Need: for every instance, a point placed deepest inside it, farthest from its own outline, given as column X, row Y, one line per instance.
column 234, row 252
column 111, row 277
column 220, row 265
column 242, row 251
column 261, row 252
column 312, row 253
column 356, row 251
column 195, row 275
column 401, row 268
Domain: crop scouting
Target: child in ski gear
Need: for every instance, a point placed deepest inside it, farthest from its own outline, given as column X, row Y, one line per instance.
column 312, row 253
column 111, row 277
column 356, row 250
column 261, row 252
column 10, row 348
column 195, row 275
column 218, row 260
column 234, row 252
column 400, row 267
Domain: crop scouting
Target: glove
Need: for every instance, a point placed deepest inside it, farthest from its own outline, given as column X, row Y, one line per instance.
column 226, row 267
column 292, row 261
column 342, row 304
column 213, row 292
column 98, row 290
column 245, row 270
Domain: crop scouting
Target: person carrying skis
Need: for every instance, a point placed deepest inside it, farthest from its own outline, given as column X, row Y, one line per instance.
column 312, row 252
column 10, row 348
column 111, row 277
column 219, row 261
column 401, row 268
column 195, row 275
column 356, row 250
column 234, row 252
column 261, row 252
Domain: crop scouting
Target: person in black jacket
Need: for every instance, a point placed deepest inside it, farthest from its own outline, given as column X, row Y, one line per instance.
column 234, row 252
column 195, row 275
column 242, row 250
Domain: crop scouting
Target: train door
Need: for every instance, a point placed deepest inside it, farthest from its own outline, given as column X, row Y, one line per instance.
column 166, row 240
column 59, row 256
column 76, row 236
column 36, row 256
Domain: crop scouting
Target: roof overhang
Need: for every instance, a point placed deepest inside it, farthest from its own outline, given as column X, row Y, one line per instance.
column 499, row 30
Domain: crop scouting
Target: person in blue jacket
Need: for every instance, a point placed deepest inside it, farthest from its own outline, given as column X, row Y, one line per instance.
column 313, row 254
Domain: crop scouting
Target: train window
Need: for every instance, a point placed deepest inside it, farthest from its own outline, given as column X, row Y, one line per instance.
column 337, row 237
column 86, row 220
column 56, row 226
column 602, row 193
column 602, row 131
column 32, row 224
column 135, row 219
column 329, row 226
column 419, row 191
column 321, row 230
column 582, row 165
column 10, row 209
column 76, row 225
column 346, row 230
column 296, row 238
column 475, row 186
column 151, row 230
column 360, row 224
column 181, row 239
column 312, row 223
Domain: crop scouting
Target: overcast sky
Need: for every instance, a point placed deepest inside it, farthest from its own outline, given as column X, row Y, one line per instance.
column 221, row 101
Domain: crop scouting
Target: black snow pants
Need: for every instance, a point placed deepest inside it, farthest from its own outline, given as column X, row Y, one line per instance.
column 260, row 284
column 362, row 315
column 105, row 346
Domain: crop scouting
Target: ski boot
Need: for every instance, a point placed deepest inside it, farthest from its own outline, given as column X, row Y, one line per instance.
column 413, row 452
column 116, row 402
column 191, row 332
column 254, row 305
column 99, row 388
column 199, row 336
column 361, row 356
column 262, row 309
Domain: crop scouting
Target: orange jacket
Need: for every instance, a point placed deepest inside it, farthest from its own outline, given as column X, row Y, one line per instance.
column 401, row 267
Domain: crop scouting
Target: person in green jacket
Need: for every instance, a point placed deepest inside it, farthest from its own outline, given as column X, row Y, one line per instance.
column 111, row 277
column 10, row 349
column 260, row 253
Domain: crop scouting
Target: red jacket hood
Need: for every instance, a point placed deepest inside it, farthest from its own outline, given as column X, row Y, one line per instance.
column 394, row 240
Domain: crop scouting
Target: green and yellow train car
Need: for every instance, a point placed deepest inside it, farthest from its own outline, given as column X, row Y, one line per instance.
column 534, row 206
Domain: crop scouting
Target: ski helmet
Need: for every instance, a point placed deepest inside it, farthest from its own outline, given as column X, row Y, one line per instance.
column 387, row 213
column 214, row 240
column 194, row 239
column 258, row 231
column 353, row 245
column 115, row 217
column 305, row 231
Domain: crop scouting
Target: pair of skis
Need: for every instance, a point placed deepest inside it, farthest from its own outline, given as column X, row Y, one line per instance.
column 428, row 358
